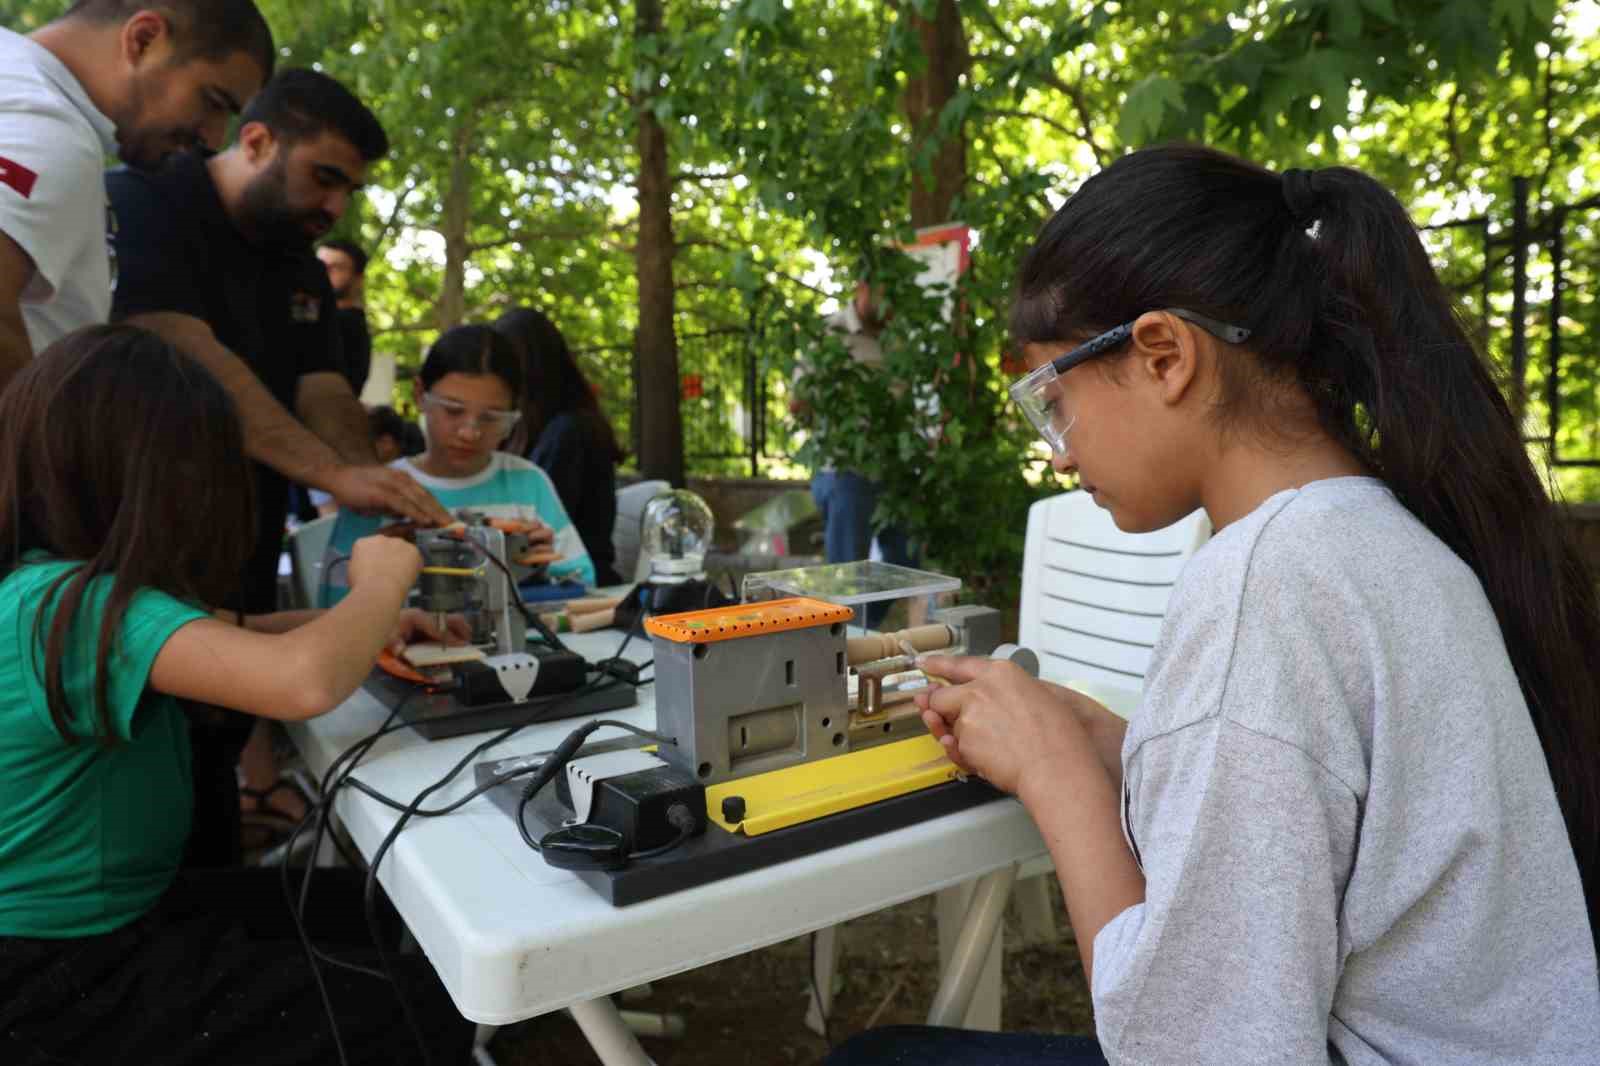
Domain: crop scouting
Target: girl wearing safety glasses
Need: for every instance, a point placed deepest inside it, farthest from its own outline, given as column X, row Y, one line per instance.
column 1356, row 817
column 470, row 393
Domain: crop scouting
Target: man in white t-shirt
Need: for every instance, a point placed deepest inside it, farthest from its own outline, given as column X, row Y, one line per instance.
column 109, row 76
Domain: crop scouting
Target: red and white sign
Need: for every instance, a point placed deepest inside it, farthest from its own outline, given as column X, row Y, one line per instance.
column 17, row 176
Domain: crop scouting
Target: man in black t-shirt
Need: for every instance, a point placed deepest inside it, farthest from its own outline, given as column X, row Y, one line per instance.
column 347, row 273
column 215, row 255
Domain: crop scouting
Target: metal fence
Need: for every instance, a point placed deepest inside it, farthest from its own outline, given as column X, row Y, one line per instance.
column 1529, row 283
column 733, row 406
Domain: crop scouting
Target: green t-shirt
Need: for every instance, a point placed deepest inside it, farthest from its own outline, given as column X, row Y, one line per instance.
column 90, row 836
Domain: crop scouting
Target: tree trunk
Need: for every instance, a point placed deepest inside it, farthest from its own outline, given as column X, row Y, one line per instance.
column 660, row 417
column 944, row 44
column 451, row 307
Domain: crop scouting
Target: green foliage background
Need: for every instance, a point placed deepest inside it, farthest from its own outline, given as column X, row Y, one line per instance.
column 510, row 183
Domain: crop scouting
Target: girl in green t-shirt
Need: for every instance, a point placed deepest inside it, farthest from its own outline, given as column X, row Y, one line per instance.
column 125, row 509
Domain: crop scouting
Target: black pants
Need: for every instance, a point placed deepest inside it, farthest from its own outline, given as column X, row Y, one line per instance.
column 920, row 1045
column 216, row 974
column 216, row 737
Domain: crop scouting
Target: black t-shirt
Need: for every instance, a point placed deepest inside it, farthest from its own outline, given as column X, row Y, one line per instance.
column 178, row 252
column 357, row 346
column 585, row 477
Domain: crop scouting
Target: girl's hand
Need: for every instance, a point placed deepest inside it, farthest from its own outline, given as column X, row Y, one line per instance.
column 541, row 538
column 415, row 624
column 379, row 558
column 997, row 722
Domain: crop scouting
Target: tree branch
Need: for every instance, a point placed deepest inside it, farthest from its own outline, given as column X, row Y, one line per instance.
column 1072, row 92
column 1452, row 140
column 394, row 216
column 1032, row 117
column 1075, row 94
column 690, row 175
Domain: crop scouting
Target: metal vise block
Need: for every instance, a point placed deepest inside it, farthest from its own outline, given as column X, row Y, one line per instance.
column 746, row 706
column 977, row 628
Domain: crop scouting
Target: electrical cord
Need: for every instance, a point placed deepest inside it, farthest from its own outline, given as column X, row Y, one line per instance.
column 321, row 812
column 339, row 774
column 625, row 670
column 411, row 810
column 534, row 622
column 679, row 817
column 559, row 757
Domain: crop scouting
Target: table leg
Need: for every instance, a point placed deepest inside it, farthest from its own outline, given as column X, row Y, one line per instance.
column 610, row 1037
column 970, row 953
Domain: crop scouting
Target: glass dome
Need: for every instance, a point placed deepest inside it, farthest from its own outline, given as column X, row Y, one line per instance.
column 676, row 534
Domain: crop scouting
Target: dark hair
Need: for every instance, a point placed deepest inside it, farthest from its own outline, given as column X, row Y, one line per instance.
column 358, row 258
column 386, row 422
column 111, row 443
column 299, row 103
column 213, row 30
column 556, row 384
column 474, row 350
column 1343, row 301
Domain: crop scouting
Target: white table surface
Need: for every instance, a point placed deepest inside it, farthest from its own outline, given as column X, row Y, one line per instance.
column 513, row 938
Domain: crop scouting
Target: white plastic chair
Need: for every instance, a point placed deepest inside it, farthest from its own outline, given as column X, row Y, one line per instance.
column 625, row 530
column 307, row 546
column 1093, row 598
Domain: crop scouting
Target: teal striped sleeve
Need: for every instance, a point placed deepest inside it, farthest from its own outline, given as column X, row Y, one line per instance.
column 348, row 528
column 532, row 486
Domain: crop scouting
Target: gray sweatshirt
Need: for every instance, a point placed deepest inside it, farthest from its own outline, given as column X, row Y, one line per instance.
column 1351, row 845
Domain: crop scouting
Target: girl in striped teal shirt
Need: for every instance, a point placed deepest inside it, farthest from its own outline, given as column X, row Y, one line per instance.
column 470, row 393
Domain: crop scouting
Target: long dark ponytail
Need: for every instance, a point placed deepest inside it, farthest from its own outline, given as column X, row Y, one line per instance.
column 1328, row 271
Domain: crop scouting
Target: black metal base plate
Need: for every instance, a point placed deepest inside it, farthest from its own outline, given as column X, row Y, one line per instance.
column 439, row 714
column 719, row 853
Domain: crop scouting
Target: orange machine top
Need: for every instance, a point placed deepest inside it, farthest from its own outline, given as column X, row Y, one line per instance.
column 746, row 620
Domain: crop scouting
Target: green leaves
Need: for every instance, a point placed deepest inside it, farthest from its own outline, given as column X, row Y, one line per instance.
column 1148, row 108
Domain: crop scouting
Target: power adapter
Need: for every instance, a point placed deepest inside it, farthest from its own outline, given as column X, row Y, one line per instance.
column 638, row 806
column 626, row 804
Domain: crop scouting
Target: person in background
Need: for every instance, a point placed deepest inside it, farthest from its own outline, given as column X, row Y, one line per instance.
column 390, row 434
column 846, row 499
column 470, row 393
column 111, row 444
column 109, row 77
column 566, row 435
column 347, row 273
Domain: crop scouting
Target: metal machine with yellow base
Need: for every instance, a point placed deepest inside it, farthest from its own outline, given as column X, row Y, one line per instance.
column 756, row 703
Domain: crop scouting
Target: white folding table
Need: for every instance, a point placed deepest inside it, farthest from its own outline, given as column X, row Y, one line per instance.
column 513, row 938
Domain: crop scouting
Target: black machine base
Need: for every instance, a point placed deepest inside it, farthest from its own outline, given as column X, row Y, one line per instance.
column 440, row 714
column 718, row 853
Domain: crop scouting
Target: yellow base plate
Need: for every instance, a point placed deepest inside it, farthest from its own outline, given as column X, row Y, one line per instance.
column 781, row 798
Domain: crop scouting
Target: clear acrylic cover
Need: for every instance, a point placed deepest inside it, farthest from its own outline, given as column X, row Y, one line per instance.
column 848, row 584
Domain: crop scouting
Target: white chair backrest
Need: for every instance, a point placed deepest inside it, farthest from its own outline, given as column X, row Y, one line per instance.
column 1093, row 596
column 631, row 501
column 307, row 545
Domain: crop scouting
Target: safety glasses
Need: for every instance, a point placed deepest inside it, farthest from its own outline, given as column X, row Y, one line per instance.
column 1043, row 400
column 488, row 421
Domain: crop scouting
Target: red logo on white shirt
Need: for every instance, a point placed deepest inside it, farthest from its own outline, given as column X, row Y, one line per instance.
column 17, row 176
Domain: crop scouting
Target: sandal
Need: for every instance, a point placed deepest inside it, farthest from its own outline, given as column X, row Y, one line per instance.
column 264, row 805
column 265, row 825
column 260, row 831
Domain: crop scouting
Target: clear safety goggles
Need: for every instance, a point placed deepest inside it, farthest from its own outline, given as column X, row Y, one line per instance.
column 489, row 421
column 1043, row 399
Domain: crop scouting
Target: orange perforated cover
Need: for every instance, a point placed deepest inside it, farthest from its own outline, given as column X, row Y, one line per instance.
column 746, row 620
